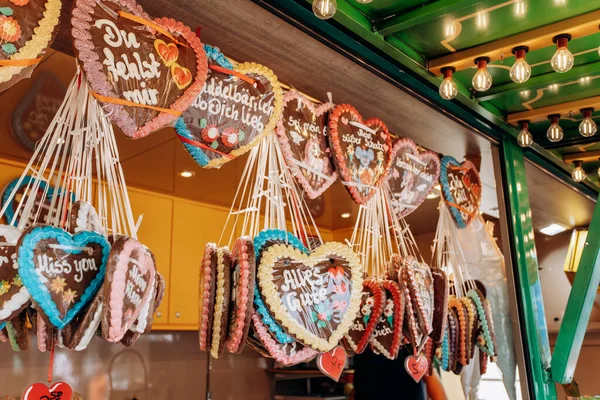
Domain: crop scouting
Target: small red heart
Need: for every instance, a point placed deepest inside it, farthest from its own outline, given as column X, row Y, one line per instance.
column 168, row 52
column 332, row 363
column 416, row 366
column 39, row 391
column 181, row 75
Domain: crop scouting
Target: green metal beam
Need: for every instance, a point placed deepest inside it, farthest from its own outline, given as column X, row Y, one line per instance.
column 533, row 320
column 579, row 307
column 571, row 138
column 419, row 16
column 540, row 81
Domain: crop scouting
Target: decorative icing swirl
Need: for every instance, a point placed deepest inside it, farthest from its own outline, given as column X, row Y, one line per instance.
column 219, row 302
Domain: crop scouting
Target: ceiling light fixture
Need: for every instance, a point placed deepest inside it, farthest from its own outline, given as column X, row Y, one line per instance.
column 346, row 215
column 324, row 9
column 364, row 1
column 520, row 8
column 525, row 138
column 553, row 229
column 482, row 80
column 578, row 174
column 186, row 174
column 520, row 71
column 587, row 127
column 562, row 60
column 448, row 88
column 555, row 133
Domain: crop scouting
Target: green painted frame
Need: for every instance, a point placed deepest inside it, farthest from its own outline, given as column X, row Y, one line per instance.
column 579, row 307
column 524, row 257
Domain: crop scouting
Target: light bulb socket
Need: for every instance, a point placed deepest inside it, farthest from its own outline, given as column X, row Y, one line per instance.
column 524, row 124
column 587, row 112
column 554, row 118
column 578, row 163
column 482, row 62
column 520, row 51
column 562, row 40
column 448, row 72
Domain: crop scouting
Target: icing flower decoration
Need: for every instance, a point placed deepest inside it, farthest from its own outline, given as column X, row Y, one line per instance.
column 230, row 137
column 4, row 286
column 58, row 285
column 19, row 2
column 370, row 301
column 17, row 281
column 366, row 310
column 210, row 133
column 69, row 296
column 10, row 30
column 366, row 177
column 336, row 272
column 350, row 152
column 340, row 305
column 321, row 316
column 341, row 288
column 389, row 311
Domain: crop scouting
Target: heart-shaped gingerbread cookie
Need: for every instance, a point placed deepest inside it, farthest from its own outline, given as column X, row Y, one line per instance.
column 62, row 272
column 413, row 175
column 38, row 391
column 222, row 294
column 371, row 308
column 84, row 217
column 130, row 275
column 27, row 29
column 417, row 278
column 146, row 71
column 315, row 297
column 206, row 296
column 461, row 187
column 332, row 363
column 238, row 106
column 302, row 132
column 387, row 336
column 362, row 151
column 14, row 296
column 440, row 304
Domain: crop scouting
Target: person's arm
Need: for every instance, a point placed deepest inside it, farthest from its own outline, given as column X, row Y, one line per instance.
column 435, row 389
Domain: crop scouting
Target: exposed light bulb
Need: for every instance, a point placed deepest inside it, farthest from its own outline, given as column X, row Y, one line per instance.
column 324, row 9
column 364, row 1
column 525, row 138
column 598, row 172
column 520, row 71
column 520, row 8
column 555, row 132
column 482, row 80
column 578, row 173
column 587, row 127
column 562, row 60
column 448, row 88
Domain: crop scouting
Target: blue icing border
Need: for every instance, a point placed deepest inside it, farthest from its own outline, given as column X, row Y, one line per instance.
column 2, row 325
column 214, row 54
column 259, row 242
column 32, row 279
column 444, row 163
column 7, row 195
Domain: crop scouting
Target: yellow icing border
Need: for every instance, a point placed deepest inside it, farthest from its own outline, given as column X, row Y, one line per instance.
column 219, row 302
column 254, row 68
column 40, row 41
column 273, row 300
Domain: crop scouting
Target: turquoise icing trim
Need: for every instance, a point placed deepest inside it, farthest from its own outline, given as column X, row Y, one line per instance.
column 215, row 56
column 2, row 325
column 7, row 195
column 445, row 352
column 265, row 316
column 33, row 280
column 489, row 344
column 445, row 162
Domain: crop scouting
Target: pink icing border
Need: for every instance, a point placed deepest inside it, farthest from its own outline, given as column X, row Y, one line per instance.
column 287, row 150
column 274, row 348
column 207, row 266
column 242, row 299
column 424, row 155
column 340, row 158
column 116, row 331
column 81, row 17
column 41, row 333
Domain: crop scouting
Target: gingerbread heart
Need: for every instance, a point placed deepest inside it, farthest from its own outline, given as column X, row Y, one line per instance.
column 62, row 272
column 222, row 294
column 79, row 333
column 206, row 296
column 130, row 275
column 332, row 363
column 387, row 336
column 371, row 308
column 39, row 391
column 243, row 277
column 362, row 151
column 315, row 297
column 17, row 330
column 27, row 29
column 417, row 278
column 440, row 304
column 302, row 132
column 84, row 217
column 461, row 187
column 239, row 105
column 13, row 194
column 287, row 354
column 412, row 176
column 416, row 366
column 14, row 296
column 146, row 71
